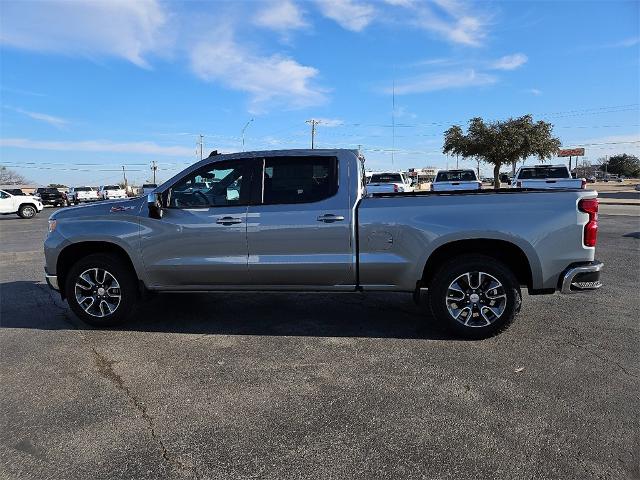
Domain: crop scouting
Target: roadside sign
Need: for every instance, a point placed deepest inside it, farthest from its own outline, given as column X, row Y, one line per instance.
column 571, row 152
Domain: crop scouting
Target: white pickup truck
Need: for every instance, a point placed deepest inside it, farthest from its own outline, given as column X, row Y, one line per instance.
column 112, row 192
column 546, row 177
column 78, row 195
column 389, row 182
column 450, row 180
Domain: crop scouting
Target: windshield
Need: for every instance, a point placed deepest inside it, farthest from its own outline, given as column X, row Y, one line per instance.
column 385, row 178
column 543, row 172
column 149, row 185
column 83, row 189
column 112, row 187
column 456, row 176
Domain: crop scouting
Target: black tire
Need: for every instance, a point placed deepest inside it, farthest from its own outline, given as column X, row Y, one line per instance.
column 495, row 306
column 125, row 279
column 27, row 211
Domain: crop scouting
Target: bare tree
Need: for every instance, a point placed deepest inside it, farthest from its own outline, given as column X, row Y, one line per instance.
column 11, row 177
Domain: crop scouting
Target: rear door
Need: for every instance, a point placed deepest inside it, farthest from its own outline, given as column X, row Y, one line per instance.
column 299, row 226
column 201, row 240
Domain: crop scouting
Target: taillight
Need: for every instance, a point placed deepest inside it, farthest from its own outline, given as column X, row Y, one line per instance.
column 590, row 206
column 395, row 188
column 584, row 183
column 518, row 184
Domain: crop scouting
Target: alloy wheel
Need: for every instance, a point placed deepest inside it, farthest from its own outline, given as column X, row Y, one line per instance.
column 97, row 292
column 476, row 299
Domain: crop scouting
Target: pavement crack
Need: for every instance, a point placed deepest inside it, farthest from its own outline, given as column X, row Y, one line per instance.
column 601, row 357
column 105, row 370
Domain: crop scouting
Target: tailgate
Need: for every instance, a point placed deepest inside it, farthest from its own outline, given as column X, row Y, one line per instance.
column 449, row 186
column 551, row 183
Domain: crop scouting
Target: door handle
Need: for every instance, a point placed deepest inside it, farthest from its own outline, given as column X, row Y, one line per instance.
column 228, row 220
column 329, row 218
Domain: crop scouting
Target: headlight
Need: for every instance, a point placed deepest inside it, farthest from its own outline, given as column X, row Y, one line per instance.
column 52, row 225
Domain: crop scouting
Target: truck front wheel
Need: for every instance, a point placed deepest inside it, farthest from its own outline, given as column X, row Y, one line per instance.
column 101, row 290
column 476, row 296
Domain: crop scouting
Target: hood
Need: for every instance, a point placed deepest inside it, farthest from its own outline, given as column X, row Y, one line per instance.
column 106, row 208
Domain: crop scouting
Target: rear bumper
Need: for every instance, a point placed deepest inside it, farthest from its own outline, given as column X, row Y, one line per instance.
column 582, row 276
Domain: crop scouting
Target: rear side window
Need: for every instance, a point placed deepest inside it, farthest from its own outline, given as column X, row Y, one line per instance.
column 543, row 172
column 386, row 178
column 299, row 179
column 456, row 176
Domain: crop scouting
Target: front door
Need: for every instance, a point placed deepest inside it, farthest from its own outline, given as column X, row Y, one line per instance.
column 201, row 241
column 7, row 205
column 299, row 232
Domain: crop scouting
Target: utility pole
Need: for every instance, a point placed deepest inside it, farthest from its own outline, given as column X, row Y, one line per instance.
column 457, row 161
column 124, row 176
column 154, row 167
column 313, row 124
column 393, row 119
column 200, row 144
column 243, row 129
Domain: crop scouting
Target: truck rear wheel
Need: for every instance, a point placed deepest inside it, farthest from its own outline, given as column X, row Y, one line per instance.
column 476, row 296
column 101, row 290
column 27, row 211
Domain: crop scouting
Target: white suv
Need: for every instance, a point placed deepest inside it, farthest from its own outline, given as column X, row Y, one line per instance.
column 110, row 192
column 26, row 206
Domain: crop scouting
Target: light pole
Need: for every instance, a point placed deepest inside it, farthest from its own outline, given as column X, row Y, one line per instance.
column 243, row 129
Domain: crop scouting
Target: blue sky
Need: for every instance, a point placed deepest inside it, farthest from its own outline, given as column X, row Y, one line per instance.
column 88, row 87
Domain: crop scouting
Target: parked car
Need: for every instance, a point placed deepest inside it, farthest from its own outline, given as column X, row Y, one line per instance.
column 78, row 195
column 148, row 188
column 389, row 182
column 25, row 206
column 302, row 220
column 449, row 180
column 52, row 196
column 111, row 192
column 591, row 179
column 14, row 191
column 546, row 177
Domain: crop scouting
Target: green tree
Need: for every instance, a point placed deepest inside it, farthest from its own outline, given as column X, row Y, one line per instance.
column 57, row 185
column 622, row 164
column 502, row 142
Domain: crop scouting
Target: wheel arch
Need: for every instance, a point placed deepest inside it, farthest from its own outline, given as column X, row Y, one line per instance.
column 73, row 252
column 512, row 255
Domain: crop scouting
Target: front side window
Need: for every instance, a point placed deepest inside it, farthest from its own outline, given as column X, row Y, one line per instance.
column 216, row 185
column 299, row 179
column 4, row 195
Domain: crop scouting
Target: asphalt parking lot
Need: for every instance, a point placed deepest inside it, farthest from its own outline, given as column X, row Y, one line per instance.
column 289, row 386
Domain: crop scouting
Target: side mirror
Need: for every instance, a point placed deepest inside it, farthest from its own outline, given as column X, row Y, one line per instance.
column 154, row 202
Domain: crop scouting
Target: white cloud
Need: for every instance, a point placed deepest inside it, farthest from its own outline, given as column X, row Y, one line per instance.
column 534, row 91
column 456, row 22
column 443, row 81
column 510, row 62
column 349, row 14
column 149, row 148
column 119, row 28
column 57, row 122
column 274, row 78
column 280, row 16
column 626, row 43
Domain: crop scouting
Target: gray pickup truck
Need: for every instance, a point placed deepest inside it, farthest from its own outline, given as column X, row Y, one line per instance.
column 301, row 220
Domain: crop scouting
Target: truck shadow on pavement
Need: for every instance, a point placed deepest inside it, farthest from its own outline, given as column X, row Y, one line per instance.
column 32, row 305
